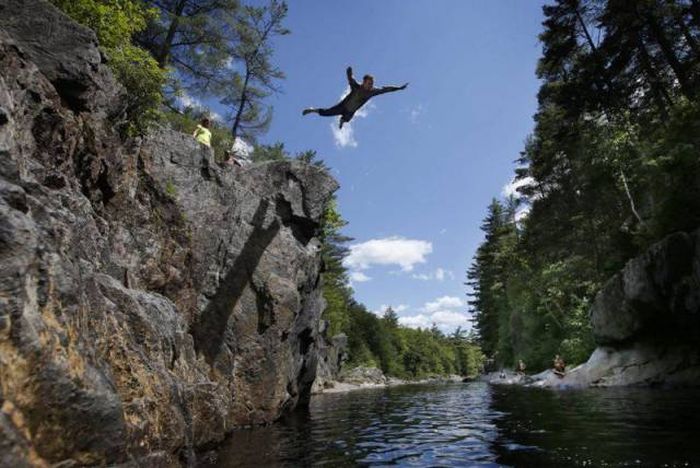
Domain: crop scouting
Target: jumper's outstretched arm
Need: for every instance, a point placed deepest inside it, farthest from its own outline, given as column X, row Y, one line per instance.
column 390, row 89
column 351, row 81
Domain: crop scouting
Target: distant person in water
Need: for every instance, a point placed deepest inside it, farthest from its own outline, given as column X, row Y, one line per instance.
column 520, row 368
column 358, row 97
column 559, row 366
column 202, row 133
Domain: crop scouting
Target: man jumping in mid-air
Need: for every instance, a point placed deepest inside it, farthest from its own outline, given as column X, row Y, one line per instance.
column 358, row 97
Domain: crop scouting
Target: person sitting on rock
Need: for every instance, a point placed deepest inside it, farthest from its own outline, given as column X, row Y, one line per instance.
column 202, row 133
column 358, row 97
column 559, row 366
column 520, row 368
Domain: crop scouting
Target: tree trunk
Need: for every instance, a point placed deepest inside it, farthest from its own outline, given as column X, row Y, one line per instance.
column 692, row 42
column 661, row 97
column 630, row 198
column 694, row 9
column 669, row 54
column 164, row 54
column 596, row 55
column 239, row 113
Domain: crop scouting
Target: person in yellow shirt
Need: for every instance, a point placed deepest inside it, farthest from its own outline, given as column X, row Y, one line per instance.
column 202, row 133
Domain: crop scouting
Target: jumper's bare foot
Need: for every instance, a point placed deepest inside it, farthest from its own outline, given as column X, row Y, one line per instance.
column 341, row 123
column 308, row 111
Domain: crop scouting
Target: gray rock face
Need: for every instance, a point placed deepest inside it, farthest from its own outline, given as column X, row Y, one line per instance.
column 655, row 297
column 646, row 320
column 363, row 375
column 149, row 300
column 332, row 354
column 64, row 51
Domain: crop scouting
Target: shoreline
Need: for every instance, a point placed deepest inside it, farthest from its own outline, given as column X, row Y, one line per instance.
column 340, row 386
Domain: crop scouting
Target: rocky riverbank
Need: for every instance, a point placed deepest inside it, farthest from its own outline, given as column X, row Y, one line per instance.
column 361, row 378
column 646, row 321
column 150, row 301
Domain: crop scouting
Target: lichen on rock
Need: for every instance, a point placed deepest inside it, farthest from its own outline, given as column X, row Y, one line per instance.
column 150, row 301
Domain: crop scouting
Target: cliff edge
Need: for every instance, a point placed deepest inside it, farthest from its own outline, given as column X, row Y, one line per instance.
column 150, row 301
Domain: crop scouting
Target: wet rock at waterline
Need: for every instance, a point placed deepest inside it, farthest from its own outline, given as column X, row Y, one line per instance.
column 149, row 300
column 646, row 320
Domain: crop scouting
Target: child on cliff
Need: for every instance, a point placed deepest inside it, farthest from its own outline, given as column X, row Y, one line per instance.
column 202, row 133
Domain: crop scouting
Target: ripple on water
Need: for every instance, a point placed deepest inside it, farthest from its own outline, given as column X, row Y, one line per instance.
column 477, row 425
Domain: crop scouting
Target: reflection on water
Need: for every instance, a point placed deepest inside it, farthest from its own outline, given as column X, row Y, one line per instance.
column 475, row 424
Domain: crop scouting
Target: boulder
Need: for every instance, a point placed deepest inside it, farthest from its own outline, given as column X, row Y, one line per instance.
column 332, row 354
column 362, row 375
column 655, row 297
column 646, row 321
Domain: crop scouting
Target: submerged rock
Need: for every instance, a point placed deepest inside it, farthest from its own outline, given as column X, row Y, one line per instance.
column 150, row 301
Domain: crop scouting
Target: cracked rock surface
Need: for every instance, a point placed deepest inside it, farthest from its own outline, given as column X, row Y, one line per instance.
column 150, row 301
column 646, row 321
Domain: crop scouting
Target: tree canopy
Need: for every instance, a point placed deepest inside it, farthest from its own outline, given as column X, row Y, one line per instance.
column 612, row 166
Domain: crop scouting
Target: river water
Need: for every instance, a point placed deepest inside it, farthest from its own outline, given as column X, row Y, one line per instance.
column 475, row 424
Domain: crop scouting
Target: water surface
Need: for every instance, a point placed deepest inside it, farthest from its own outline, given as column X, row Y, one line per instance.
column 476, row 424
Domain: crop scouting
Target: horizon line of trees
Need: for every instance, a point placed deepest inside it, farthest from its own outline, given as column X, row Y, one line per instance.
column 613, row 165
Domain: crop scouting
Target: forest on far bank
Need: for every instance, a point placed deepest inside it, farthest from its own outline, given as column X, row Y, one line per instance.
column 613, row 165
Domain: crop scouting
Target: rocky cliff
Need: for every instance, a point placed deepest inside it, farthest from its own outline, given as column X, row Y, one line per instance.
column 150, row 301
column 646, row 321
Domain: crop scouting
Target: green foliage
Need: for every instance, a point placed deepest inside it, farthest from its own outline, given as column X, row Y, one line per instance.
column 273, row 152
column 253, row 77
column 170, row 189
column 115, row 22
column 381, row 341
column 612, row 166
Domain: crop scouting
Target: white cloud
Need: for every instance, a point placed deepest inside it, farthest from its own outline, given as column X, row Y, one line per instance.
column 449, row 318
column 415, row 113
column 511, row 188
column 521, row 213
column 185, row 100
column 398, row 309
column 444, row 302
column 416, row 321
column 189, row 101
column 405, row 253
column 359, row 277
column 440, row 274
column 447, row 321
column 422, row 276
column 440, row 312
column 345, row 137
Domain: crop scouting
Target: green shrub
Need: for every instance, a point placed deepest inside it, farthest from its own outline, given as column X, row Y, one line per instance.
column 115, row 22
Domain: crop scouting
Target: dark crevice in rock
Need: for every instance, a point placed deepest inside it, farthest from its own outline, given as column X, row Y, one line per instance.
column 95, row 187
column 303, row 229
column 71, row 93
column 306, row 339
column 209, row 330
column 264, row 303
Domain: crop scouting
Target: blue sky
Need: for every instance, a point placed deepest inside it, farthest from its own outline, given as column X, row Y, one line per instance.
column 418, row 170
